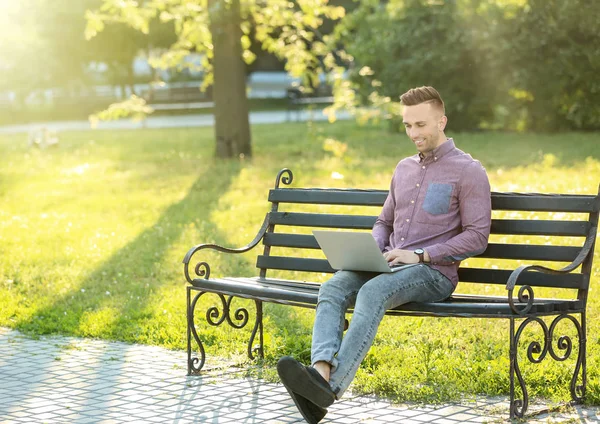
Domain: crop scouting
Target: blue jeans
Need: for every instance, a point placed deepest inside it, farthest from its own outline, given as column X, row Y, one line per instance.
column 371, row 294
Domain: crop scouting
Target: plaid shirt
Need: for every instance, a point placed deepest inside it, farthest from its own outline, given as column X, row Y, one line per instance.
column 440, row 202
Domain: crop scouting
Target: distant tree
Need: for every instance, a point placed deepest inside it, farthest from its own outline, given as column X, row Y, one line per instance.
column 220, row 30
column 554, row 52
column 402, row 44
column 512, row 64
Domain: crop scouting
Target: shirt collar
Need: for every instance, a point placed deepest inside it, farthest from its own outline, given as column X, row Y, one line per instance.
column 439, row 151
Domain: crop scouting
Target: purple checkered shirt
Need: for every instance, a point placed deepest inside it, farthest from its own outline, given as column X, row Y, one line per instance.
column 440, row 202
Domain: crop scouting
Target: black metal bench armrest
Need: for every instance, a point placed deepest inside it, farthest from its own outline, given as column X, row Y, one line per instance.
column 525, row 293
column 202, row 269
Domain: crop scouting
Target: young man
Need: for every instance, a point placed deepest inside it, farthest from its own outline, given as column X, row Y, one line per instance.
column 437, row 213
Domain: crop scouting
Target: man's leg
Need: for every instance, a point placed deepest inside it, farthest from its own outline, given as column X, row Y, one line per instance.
column 418, row 283
column 306, row 386
column 335, row 297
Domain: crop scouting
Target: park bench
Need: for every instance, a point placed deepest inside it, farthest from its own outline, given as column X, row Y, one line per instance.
column 177, row 97
column 298, row 101
column 576, row 236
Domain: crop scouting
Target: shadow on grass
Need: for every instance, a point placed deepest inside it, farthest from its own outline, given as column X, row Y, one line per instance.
column 103, row 307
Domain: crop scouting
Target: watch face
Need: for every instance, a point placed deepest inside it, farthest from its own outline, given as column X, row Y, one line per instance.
column 419, row 251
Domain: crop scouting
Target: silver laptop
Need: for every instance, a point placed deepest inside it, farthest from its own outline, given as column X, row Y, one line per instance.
column 353, row 251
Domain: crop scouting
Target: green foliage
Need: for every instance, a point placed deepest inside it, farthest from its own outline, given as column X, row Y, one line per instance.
column 553, row 52
column 93, row 232
column 523, row 64
column 287, row 29
column 412, row 43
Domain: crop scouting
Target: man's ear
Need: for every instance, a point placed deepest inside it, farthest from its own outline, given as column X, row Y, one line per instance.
column 442, row 123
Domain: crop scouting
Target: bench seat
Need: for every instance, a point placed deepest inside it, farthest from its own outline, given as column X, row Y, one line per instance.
column 304, row 294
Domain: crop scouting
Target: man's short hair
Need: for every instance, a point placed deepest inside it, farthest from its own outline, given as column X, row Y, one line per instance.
column 416, row 96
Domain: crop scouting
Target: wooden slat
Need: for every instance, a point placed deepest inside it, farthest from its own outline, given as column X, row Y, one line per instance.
column 531, row 252
column 499, row 226
column 500, row 201
column 498, row 251
column 540, row 227
column 322, row 220
column 450, row 308
column 470, row 275
column 545, row 202
column 328, row 196
column 500, row 276
column 300, row 241
column 253, row 290
column 293, row 264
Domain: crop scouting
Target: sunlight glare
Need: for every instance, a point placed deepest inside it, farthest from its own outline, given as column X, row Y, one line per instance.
column 9, row 20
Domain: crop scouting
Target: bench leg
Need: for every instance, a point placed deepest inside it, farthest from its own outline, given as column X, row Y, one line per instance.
column 215, row 318
column 536, row 352
column 578, row 390
column 258, row 327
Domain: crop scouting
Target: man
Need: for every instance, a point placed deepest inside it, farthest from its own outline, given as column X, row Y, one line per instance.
column 437, row 213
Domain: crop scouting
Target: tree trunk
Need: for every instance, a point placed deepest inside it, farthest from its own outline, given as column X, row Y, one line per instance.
column 232, row 128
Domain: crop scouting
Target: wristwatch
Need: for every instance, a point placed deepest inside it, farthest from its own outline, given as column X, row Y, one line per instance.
column 420, row 253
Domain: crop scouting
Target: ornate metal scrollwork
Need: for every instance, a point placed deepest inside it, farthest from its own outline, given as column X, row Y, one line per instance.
column 216, row 316
column 536, row 353
column 202, row 270
column 284, row 176
column 564, row 343
column 527, row 298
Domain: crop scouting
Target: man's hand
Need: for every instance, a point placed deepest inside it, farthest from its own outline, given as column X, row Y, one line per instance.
column 399, row 256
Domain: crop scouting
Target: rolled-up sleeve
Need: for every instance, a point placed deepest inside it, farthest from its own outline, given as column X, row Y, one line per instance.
column 475, row 210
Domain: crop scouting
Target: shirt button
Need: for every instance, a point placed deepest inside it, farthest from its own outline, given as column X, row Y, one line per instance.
column 418, row 185
column 407, row 220
column 435, row 158
column 412, row 201
column 402, row 239
column 423, row 167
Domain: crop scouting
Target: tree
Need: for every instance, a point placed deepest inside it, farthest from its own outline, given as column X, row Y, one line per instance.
column 220, row 30
column 402, row 44
column 509, row 64
column 554, row 50
column 232, row 128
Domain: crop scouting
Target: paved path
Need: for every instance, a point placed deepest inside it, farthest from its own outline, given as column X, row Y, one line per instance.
column 194, row 120
column 71, row 380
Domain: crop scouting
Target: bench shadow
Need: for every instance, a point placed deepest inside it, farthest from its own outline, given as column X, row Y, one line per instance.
column 240, row 398
column 136, row 261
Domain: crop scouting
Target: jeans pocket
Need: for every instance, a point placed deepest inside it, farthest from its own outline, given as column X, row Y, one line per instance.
column 440, row 285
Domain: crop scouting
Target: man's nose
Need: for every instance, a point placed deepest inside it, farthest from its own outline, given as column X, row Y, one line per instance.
column 413, row 132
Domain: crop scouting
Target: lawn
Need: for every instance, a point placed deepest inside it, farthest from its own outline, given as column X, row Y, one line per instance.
column 92, row 234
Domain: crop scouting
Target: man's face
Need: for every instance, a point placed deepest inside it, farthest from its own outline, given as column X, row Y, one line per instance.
column 425, row 126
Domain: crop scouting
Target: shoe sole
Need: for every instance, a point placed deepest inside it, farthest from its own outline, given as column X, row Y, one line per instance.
column 291, row 372
column 304, row 405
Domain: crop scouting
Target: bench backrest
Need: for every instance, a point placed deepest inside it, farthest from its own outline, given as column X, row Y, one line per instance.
column 571, row 241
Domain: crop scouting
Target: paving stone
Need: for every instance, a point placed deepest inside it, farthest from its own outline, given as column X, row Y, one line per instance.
column 105, row 382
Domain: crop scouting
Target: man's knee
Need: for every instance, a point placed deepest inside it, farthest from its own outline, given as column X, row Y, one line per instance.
column 339, row 286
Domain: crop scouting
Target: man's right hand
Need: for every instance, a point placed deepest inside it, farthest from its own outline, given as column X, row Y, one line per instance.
column 400, row 256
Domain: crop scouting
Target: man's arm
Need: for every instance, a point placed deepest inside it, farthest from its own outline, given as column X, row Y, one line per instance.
column 476, row 217
column 385, row 222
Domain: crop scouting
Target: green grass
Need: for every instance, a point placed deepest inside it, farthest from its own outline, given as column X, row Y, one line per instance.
column 92, row 234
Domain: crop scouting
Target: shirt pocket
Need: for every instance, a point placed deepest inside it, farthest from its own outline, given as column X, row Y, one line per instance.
column 436, row 205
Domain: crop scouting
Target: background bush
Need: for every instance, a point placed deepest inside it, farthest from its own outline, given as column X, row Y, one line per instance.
column 510, row 64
